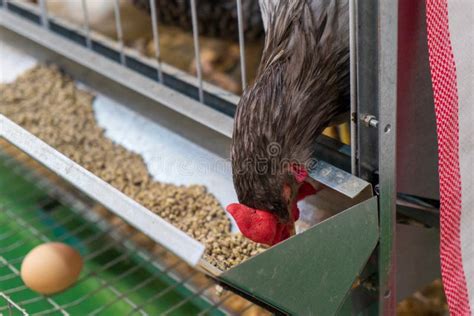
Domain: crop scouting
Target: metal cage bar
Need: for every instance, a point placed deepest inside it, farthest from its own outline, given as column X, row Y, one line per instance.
column 156, row 38
column 387, row 78
column 44, row 13
column 197, row 52
column 12, row 306
column 376, row 55
column 353, row 85
column 119, row 30
column 243, row 68
column 87, row 28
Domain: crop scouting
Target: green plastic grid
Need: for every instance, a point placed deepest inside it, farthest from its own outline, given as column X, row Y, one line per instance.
column 116, row 279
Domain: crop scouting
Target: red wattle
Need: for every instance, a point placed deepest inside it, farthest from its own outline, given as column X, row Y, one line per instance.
column 263, row 227
column 295, row 212
column 305, row 190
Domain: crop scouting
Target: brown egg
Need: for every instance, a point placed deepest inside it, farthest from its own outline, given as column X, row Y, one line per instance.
column 51, row 267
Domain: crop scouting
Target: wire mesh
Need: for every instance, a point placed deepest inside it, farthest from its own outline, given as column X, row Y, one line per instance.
column 11, row 260
column 11, row 307
column 119, row 276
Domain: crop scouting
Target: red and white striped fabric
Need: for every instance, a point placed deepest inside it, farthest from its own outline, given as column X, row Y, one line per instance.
column 450, row 26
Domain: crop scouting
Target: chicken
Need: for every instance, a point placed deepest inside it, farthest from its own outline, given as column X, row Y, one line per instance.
column 218, row 27
column 302, row 86
column 215, row 18
column 101, row 16
column 217, row 21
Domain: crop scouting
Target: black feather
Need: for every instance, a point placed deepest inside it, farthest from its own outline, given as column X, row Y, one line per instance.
column 301, row 86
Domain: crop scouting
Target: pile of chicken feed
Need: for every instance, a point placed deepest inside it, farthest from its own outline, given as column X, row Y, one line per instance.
column 49, row 105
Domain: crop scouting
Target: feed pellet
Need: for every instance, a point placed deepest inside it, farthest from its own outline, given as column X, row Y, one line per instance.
column 47, row 103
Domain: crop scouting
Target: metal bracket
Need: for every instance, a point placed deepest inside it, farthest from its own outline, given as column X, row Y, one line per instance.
column 339, row 180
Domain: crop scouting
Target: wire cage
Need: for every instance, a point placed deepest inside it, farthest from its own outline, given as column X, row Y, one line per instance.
column 213, row 108
column 155, row 69
column 10, row 307
column 173, row 267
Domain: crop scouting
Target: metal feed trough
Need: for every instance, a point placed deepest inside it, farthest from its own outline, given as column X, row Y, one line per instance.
column 348, row 263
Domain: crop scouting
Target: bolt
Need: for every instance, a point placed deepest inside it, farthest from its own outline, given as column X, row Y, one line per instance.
column 377, row 189
column 369, row 120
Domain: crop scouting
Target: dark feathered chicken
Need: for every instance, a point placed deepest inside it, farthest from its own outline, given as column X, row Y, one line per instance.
column 301, row 87
column 216, row 18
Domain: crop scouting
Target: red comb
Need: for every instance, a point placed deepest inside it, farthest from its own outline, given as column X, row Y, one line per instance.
column 305, row 190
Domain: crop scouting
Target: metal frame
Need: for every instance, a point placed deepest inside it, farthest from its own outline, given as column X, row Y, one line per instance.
column 184, row 105
column 373, row 43
column 376, row 55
